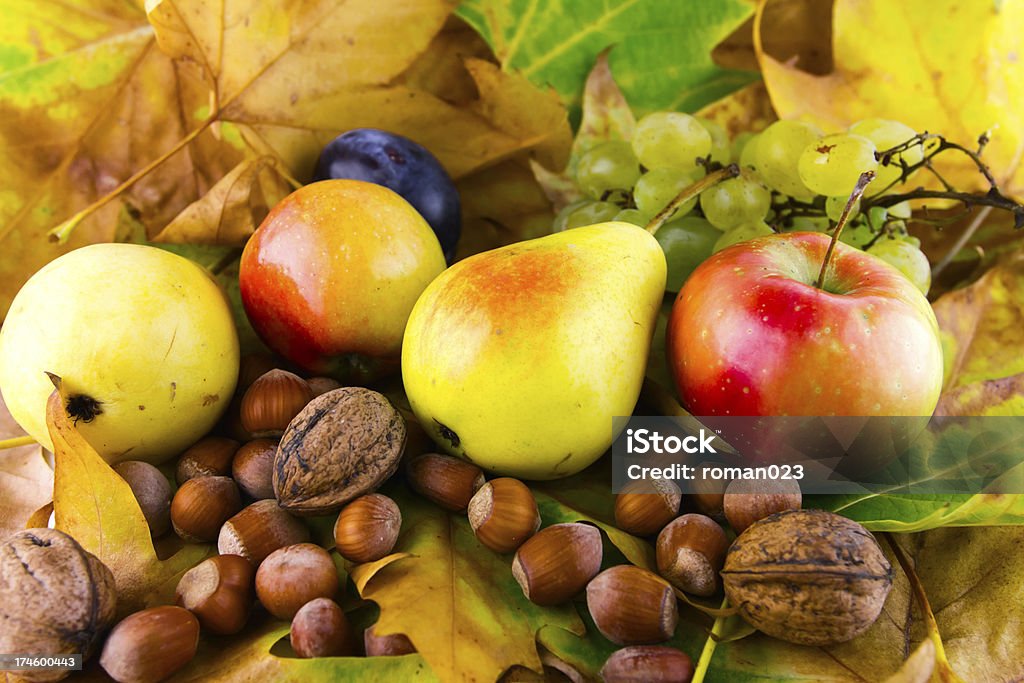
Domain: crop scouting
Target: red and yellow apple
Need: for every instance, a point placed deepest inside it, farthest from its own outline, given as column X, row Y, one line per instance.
column 329, row 278
column 751, row 334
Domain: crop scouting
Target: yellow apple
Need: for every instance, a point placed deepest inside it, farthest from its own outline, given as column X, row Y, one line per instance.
column 142, row 340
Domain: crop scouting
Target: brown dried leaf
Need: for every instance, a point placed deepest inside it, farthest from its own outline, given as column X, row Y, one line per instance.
column 26, row 480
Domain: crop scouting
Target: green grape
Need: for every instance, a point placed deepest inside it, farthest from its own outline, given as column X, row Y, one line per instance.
column 909, row 239
column 686, row 242
column 887, row 134
column 657, row 188
column 907, row 259
column 832, row 165
column 901, row 210
column 877, row 215
column 834, row 207
column 742, row 233
column 586, row 212
column 809, row 224
column 607, row 166
column 742, row 150
column 720, row 151
column 670, row 139
column 735, row 201
column 857, row 235
column 634, row 216
column 778, row 152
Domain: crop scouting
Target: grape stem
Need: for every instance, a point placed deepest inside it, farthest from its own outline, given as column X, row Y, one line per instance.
column 858, row 192
column 689, row 192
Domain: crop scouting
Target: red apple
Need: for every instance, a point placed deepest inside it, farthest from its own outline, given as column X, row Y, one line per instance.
column 329, row 278
column 751, row 334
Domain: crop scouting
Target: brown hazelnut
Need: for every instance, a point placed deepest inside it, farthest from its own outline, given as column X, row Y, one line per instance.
column 151, row 645
column 444, row 480
column 253, row 468
column 252, row 366
column 292, row 576
column 202, row 505
column 645, row 511
column 152, row 491
column 391, row 645
column 321, row 629
column 367, row 528
column 503, row 514
column 690, row 553
column 807, row 576
column 632, row 606
column 209, row 457
column 321, row 385
column 748, row 500
column 55, row 598
column 706, row 493
column 219, row 591
column 259, row 530
column 272, row 401
column 556, row 563
column 647, row 664
column 340, row 446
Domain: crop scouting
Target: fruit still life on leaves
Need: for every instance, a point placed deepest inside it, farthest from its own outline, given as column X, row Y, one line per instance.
column 321, row 323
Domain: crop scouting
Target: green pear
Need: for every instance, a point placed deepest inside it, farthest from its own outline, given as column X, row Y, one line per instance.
column 517, row 359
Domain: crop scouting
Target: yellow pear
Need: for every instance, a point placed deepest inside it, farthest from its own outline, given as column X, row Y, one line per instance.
column 518, row 358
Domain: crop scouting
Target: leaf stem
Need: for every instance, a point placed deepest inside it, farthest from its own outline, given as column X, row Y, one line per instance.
column 15, row 442
column 858, row 192
column 701, row 670
column 943, row 669
column 62, row 232
column 689, row 192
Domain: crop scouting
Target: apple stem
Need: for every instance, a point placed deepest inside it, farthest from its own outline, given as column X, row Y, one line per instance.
column 858, row 192
column 689, row 192
column 16, row 441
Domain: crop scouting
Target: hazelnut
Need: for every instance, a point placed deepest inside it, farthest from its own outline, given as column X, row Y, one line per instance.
column 202, row 505
column 367, row 528
column 252, row 366
column 707, row 493
column 321, row 385
column 321, row 629
column 209, row 457
column 807, row 576
column 253, row 468
column 748, row 500
column 340, row 446
column 647, row 664
column 292, row 576
column 556, row 563
column 259, row 530
column 644, row 512
column 503, row 514
column 55, row 598
column 151, row 645
column 272, row 401
column 632, row 606
column 391, row 645
column 219, row 591
column 152, row 491
column 444, row 480
column 690, row 553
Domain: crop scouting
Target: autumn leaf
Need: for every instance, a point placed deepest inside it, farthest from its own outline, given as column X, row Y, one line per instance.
column 917, row 79
column 26, row 480
column 97, row 508
column 456, row 600
column 662, row 56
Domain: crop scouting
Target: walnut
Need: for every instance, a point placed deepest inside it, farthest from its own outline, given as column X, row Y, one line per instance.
column 807, row 576
column 343, row 444
column 55, row 598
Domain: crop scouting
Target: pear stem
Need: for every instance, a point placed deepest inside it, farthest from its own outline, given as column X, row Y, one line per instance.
column 858, row 192
column 689, row 192
column 16, row 441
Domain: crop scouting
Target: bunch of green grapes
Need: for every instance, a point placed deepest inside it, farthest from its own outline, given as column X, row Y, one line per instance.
column 792, row 177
